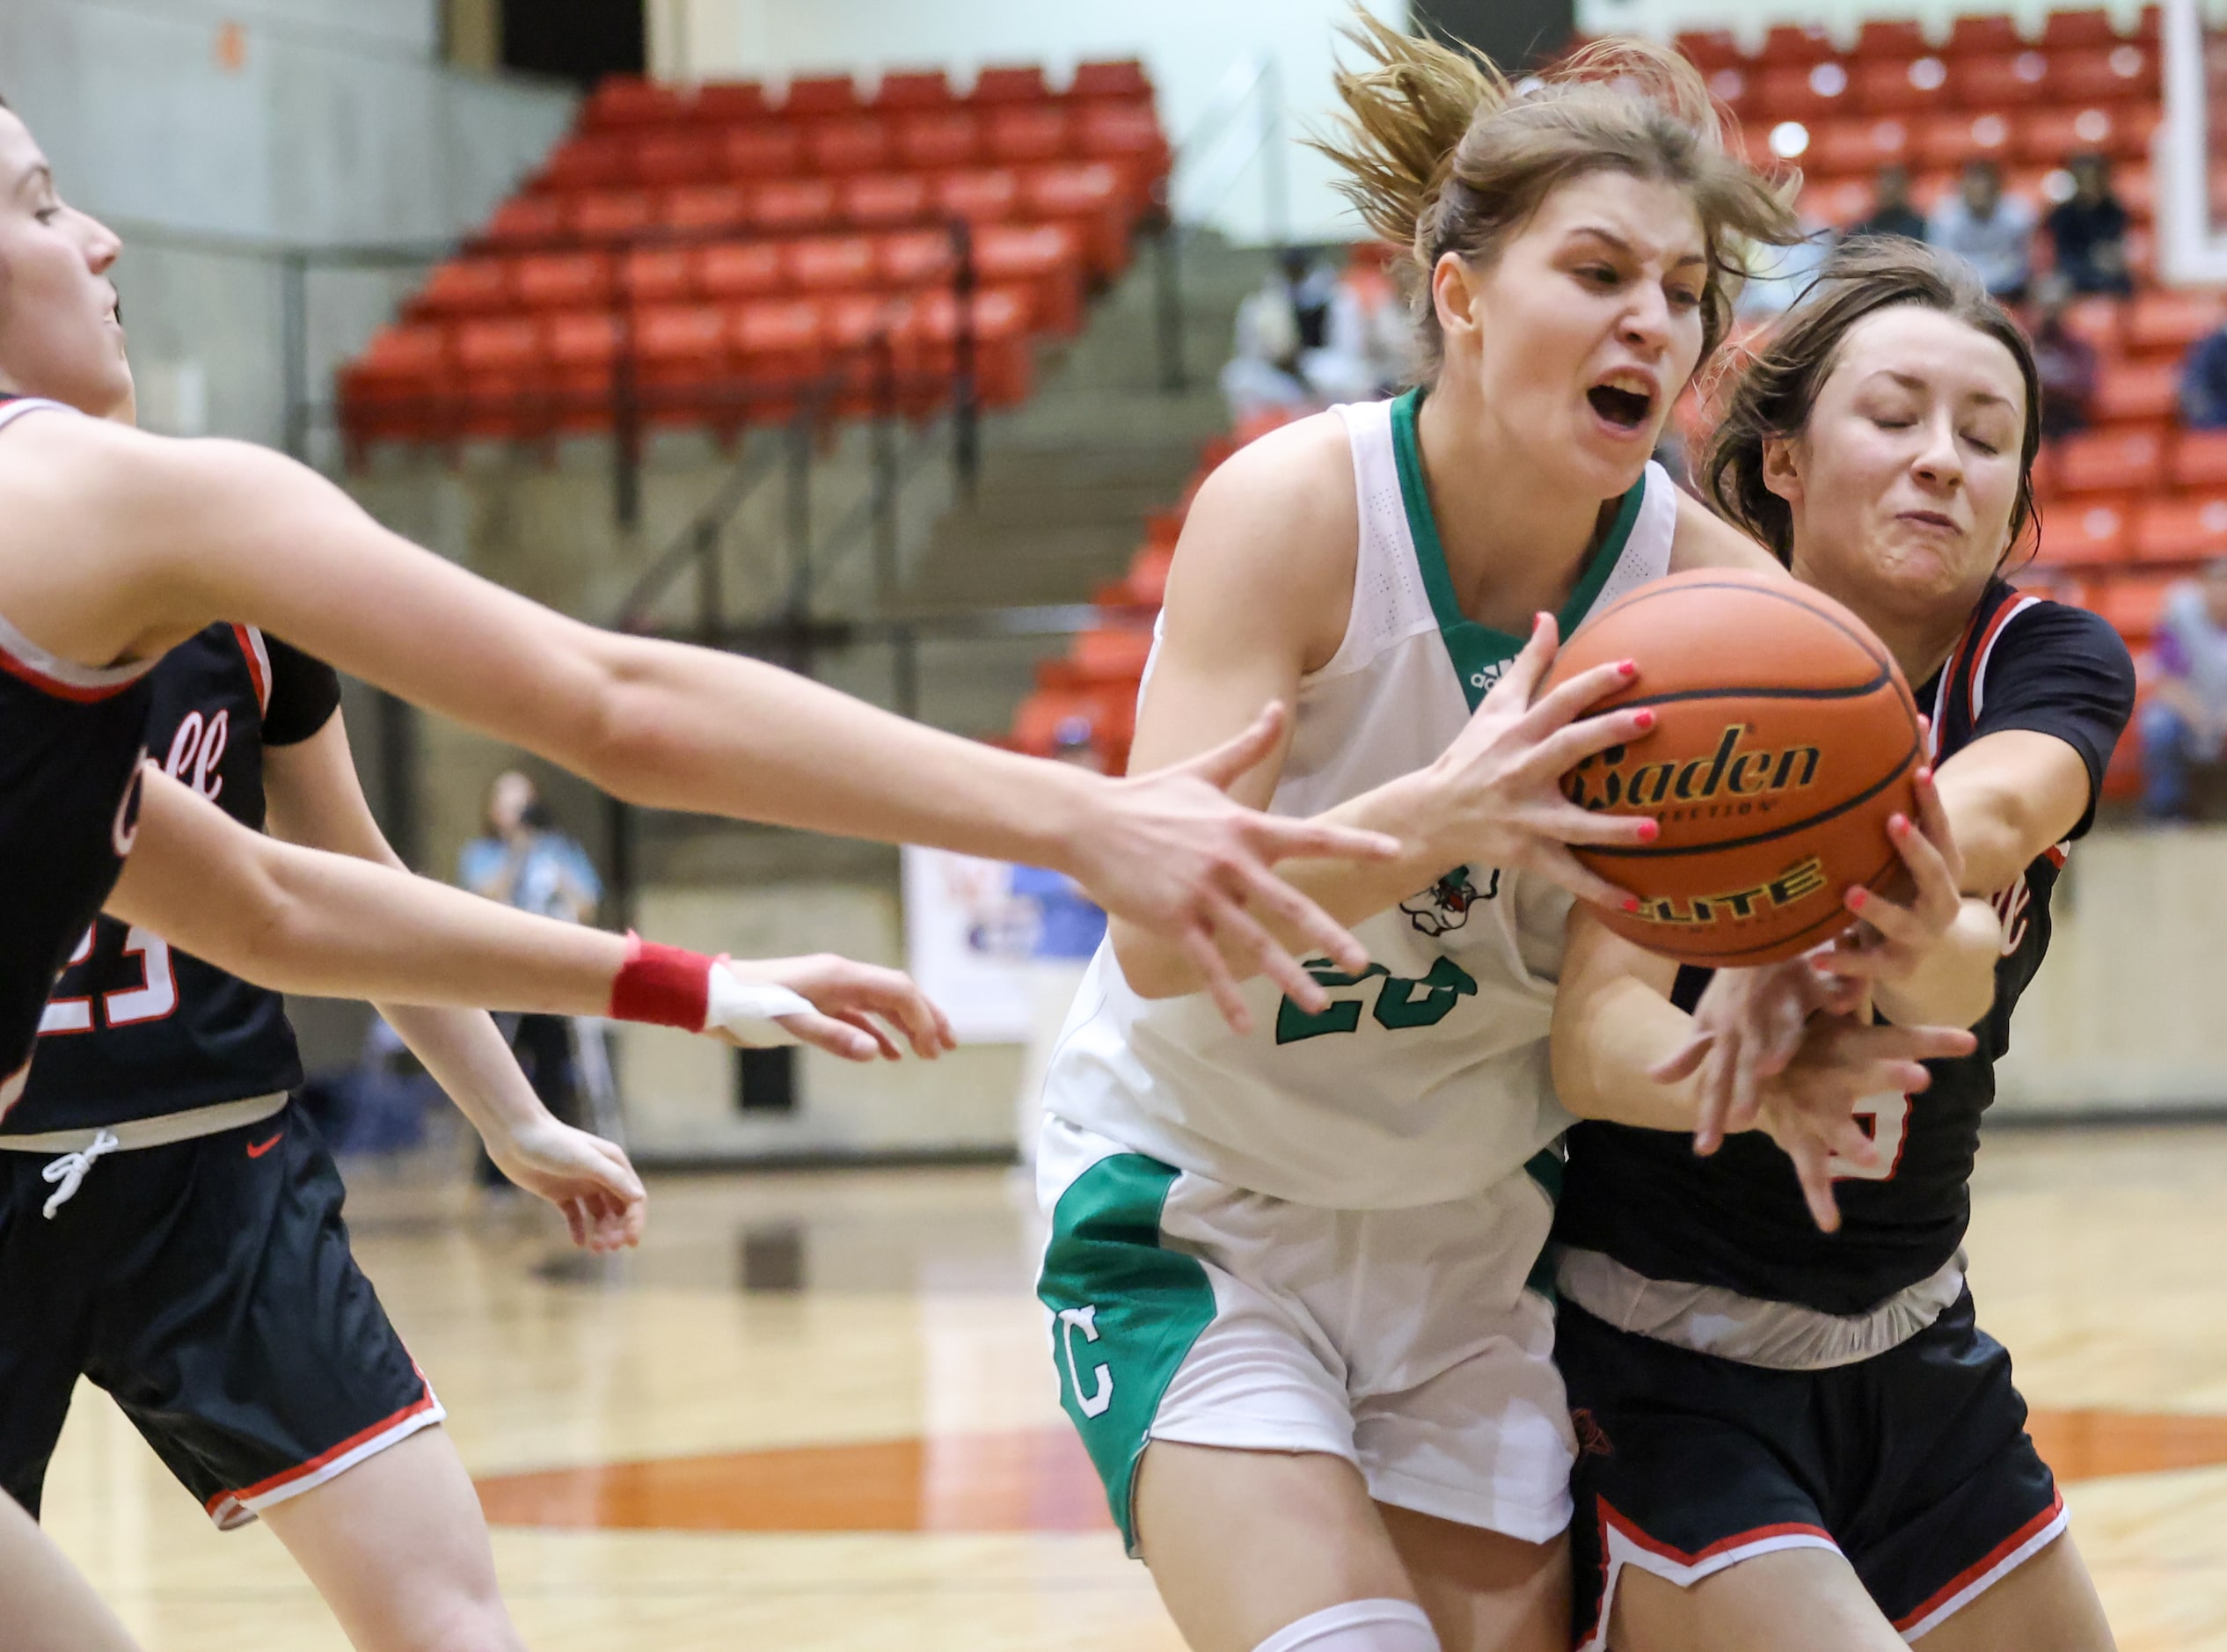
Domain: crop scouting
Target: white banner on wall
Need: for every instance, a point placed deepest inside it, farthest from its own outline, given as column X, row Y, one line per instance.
column 968, row 941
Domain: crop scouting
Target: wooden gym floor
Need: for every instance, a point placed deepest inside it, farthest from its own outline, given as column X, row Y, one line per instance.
column 816, row 1413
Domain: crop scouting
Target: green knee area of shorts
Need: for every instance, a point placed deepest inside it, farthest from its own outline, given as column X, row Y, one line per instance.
column 1125, row 1313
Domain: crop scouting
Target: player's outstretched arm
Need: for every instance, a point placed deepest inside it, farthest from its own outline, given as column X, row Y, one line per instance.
column 149, row 540
column 300, row 920
column 315, row 800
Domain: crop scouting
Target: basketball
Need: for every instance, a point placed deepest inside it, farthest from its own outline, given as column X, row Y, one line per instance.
column 1786, row 738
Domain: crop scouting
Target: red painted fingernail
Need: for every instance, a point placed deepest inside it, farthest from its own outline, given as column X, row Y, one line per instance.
column 1630, row 667
column 1856, row 899
column 1649, row 831
column 1631, row 903
column 1924, row 776
column 1898, row 824
column 1644, row 718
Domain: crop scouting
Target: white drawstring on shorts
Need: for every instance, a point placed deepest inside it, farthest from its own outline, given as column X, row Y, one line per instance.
column 70, row 1169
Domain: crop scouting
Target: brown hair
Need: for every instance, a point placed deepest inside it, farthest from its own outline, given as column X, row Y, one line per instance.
column 1443, row 154
column 1774, row 392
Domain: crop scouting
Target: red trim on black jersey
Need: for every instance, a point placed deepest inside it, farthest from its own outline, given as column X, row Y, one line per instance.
column 258, row 664
column 83, row 693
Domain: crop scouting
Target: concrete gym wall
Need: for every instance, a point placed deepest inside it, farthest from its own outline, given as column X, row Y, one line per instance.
column 1188, row 46
column 311, row 121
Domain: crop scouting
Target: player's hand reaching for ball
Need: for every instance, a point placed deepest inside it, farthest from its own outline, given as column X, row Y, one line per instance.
column 588, row 1178
column 1499, row 786
column 853, row 1010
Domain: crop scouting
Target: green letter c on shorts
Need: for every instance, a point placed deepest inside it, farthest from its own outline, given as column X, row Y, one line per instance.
column 1125, row 1313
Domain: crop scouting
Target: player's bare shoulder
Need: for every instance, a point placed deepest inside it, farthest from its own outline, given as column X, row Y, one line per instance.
column 1704, row 539
column 1275, row 530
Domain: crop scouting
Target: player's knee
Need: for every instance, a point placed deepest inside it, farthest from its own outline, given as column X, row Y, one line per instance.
column 464, row 1624
column 1357, row 1626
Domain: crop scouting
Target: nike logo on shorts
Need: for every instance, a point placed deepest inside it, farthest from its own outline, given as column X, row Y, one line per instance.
column 256, row 1150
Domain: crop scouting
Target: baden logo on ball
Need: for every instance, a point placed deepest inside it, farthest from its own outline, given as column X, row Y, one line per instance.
column 1785, row 739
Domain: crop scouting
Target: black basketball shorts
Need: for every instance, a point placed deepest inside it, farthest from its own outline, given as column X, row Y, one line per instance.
column 1913, row 1464
column 208, row 1287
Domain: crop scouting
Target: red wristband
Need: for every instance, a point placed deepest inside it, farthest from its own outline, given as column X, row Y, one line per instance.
column 666, row 986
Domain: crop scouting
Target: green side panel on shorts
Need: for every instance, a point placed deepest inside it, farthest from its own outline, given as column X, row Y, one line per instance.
column 1479, row 651
column 1125, row 1313
column 1544, row 1167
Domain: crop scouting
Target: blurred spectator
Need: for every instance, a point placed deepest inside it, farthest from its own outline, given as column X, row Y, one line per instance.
column 1991, row 231
column 2066, row 362
column 1069, row 926
column 1368, row 322
column 1891, row 213
column 1778, row 276
column 2088, row 230
column 1304, row 342
column 2185, row 723
column 524, row 860
column 2204, row 383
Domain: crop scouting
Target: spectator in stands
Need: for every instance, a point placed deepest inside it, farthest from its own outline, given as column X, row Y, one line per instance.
column 2066, row 362
column 2088, row 230
column 1991, row 231
column 1891, row 213
column 1302, row 343
column 2185, row 723
column 2204, row 383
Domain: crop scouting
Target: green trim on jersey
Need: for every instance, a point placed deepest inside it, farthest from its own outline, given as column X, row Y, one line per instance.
column 1125, row 1313
column 1479, row 651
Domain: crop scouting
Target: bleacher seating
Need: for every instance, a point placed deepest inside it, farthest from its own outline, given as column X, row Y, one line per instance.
column 740, row 239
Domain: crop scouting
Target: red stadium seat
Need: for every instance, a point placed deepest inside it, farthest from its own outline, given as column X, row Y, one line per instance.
column 1110, row 653
column 2169, row 319
column 2096, row 320
column 528, row 219
column 2101, row 75
column 499, row 360
column 706, row 207
column 913, row 89
column 912, row 257
column 819, row 94
column 798, row 203
column 1046, row 258
column 779, row 343
column 981, row 195
column 1951, row 141
column 497, row 344
column 592, row 161
column 2052, row 135
column 1969, row 36
column 464, row 287
column 2136, row 188
column 582, row 351
column 658, row 275
column 1022, row 85
column 2084, row 535
column 1857, row 146
column 1805, row 92
column 1838, row 202
column 1712, row 49
column 1883, row 37
column 1088, row 194
column 884, row 197
column 2108, row 462
column 563, row 281
column 390, row 391
column 1730, row 86
column 2079, row 28
column 1797, row 43
column 1128, row 136
column 2200, row 460
column 668, row 158
column 1027, row 134
column 2136, row 392
column 628, row 100
column 729, row 103
column 763, row 151
column 858, row 145
column 608, row 214
column 683, row 354
column 2131, row 600
column 2004, row 81
column 2176, row 530
column 939, row 140
column 739, row 269
column 1123, row 77
column 1892, row 85
column 829, row 263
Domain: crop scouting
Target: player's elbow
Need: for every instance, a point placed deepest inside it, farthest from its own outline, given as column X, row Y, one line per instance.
column 624, row 739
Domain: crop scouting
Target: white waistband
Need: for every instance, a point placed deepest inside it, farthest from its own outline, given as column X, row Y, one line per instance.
column 1776, row 1335
column 155, row 1132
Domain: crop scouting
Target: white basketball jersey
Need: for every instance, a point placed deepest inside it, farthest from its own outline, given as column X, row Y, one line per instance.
column 1426, row 1079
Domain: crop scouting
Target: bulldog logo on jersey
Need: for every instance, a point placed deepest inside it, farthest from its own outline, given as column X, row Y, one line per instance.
column 1445, row 905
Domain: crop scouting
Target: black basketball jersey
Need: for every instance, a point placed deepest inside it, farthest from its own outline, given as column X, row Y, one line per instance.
column 1737, row 1218
column 69, row 751
column 134, row 1028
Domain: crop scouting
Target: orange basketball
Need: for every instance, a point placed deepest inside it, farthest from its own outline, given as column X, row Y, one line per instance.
column 1785, row 739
